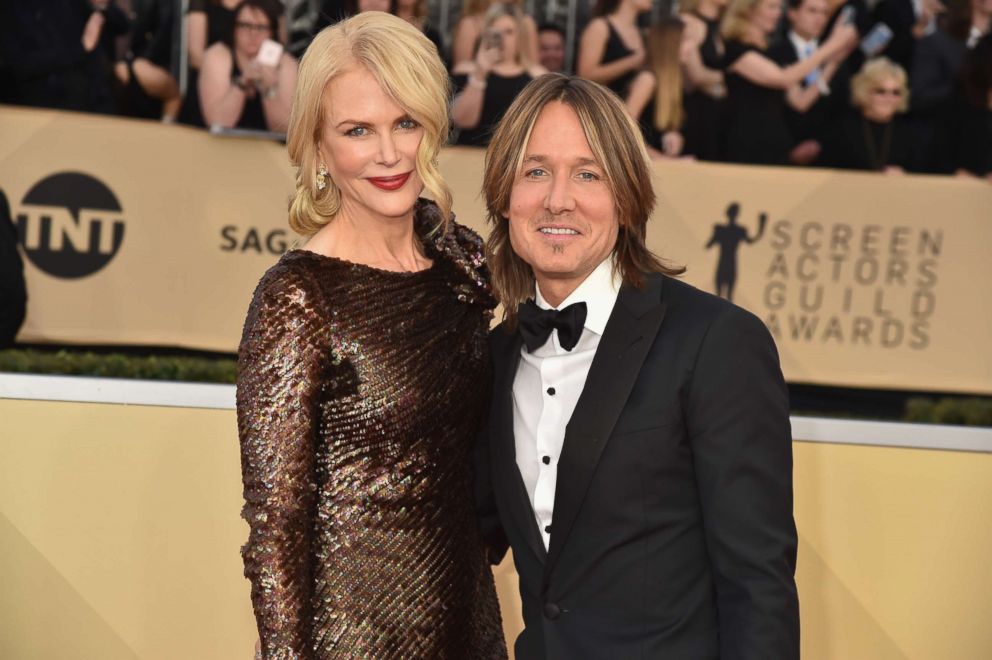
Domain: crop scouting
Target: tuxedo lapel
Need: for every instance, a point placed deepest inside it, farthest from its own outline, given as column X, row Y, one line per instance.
column 628, row 336
column 507, row 479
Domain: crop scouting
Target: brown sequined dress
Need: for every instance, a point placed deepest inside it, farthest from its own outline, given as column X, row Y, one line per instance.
column 359, row 392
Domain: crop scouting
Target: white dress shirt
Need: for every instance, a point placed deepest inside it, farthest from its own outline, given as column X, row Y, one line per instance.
column 547, row 387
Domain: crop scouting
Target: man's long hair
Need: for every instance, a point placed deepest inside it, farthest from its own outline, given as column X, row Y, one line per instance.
column 616, row 143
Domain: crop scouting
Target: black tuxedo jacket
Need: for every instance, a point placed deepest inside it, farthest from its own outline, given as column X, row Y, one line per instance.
column 672, row 534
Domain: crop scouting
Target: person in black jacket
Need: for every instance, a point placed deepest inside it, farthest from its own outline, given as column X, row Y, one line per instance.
column 13, row 292
column 811, row 103
column 637, row 456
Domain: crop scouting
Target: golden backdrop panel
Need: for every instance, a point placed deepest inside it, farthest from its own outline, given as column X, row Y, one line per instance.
column 120, row 536
column 163, row 231
column 864, row 279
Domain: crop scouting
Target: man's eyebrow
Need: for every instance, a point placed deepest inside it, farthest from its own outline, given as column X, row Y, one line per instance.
column 541, row 159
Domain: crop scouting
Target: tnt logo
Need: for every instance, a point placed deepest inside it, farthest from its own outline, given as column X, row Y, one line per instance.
column 70, row 225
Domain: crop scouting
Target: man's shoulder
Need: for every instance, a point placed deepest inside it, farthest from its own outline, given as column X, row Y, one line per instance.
column 782, row 51
column 697, row 308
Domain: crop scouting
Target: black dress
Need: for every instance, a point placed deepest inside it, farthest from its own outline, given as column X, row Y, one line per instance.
column 858, row 143
column 703, row 113
column 615, row 50
column 499, row 94
column 971, row 138
column 220, row 28
column 756, row 131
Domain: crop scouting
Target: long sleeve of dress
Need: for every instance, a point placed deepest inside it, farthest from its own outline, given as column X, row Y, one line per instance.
column 278, row 373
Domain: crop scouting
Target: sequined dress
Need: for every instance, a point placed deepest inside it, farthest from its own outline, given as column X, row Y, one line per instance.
column 359, row 392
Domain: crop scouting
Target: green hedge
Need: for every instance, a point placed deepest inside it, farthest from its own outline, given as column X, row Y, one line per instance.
column 968, row 411
column 973, row 411
column 118, row 365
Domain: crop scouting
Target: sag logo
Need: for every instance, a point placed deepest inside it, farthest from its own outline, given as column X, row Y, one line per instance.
column 728, row 238
column 70, row 225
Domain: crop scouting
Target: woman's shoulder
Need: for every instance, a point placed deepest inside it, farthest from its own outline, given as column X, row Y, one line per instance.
column 462, row 247
column 290, row 283
column 597, row 27
column 734, row 49
column 217, row 54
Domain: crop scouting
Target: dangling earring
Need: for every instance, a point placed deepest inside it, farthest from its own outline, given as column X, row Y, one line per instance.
column 322, row 177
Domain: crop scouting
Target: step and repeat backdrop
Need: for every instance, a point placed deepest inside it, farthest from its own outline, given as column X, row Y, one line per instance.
column 139, row 233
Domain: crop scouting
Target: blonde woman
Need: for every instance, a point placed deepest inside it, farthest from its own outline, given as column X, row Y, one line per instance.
column 468, row 31
column 756, row 131
column 363, row 372
column 872, row 137
column 487, row 86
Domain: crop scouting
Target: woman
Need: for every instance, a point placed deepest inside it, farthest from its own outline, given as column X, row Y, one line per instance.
column 468, row 31
column 702, row 58
column 237, row 89
column 756, row 131
column 665, row 44
column 872, row 138
column 487, row 86
column 363, row 371
column 611, row 52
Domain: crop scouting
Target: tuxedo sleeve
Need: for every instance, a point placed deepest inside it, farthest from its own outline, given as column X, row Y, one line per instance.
column 737, row 414
column 485, row 497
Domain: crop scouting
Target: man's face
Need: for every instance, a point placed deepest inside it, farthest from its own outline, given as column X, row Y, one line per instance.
column 551, row 50
column 563, row 219
column 810, row 19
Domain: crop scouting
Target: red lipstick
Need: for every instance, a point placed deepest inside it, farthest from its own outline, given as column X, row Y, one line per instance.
column 389, row 182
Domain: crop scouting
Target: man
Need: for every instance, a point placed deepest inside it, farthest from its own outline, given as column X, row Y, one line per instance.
column 551, row 47
column 637, row 457
column 810, row 105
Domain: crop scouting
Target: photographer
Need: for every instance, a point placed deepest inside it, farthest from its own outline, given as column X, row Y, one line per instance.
column 487, row 86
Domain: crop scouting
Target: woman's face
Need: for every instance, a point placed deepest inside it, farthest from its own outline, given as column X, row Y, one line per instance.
column 884, row 97
column 373, row 5
column 251, row 28
column 766, row 15
column 369, row 144
column 506, row 27
column 642, row 5
column 406, row 6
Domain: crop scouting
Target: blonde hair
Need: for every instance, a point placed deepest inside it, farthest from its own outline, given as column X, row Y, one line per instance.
column 872, row 74
column 406, row 65
column 664, row 42
column 737, row 18
column 498, row 11
column 616, row 142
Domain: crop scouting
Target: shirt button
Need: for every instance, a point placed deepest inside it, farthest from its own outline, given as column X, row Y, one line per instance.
column 552, row 611
column 551, row 391
column 547, row 529
column 546, row 460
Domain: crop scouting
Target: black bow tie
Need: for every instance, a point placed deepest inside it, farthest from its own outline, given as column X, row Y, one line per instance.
column 536, row 324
